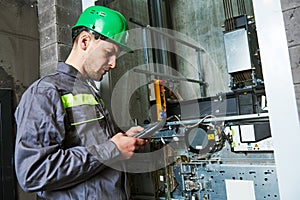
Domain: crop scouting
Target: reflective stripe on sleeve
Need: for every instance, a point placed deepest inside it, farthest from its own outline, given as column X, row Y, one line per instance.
column 70, row 100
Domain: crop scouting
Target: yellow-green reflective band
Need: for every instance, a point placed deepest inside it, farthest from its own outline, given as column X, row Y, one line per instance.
column 77, row 123
column 70, row 100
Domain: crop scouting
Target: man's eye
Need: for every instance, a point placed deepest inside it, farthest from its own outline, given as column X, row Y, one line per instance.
column 109, row 53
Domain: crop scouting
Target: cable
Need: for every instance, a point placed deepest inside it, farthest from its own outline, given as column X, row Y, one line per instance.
column 194, row 125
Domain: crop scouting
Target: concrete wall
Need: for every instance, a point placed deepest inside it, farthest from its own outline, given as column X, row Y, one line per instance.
column 202, row 22
column 19, row 49
column 291, row 13
column 19, row 52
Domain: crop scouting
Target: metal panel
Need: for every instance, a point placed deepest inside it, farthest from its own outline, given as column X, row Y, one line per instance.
column 210, row 180
column 237, row 51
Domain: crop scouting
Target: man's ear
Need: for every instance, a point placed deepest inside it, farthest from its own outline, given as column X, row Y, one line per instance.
column 84, row 40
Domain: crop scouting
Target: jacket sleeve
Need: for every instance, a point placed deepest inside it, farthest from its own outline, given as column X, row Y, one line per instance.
column 40, row 161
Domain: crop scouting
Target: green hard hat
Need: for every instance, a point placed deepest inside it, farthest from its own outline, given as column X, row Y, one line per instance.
column 106, row 22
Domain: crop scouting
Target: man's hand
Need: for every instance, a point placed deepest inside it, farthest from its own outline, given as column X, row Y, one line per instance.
column 127, row 143
column 134, row 130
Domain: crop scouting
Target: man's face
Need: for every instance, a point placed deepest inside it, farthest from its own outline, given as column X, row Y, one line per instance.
column 102, row 56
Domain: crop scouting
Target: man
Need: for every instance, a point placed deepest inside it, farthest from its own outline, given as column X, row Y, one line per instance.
column 66, row 145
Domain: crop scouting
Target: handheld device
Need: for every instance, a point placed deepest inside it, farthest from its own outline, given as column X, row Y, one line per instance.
column 152, row 128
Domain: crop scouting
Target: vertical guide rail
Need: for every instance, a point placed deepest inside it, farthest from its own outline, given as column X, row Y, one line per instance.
column 202, row 87
column 145, row 51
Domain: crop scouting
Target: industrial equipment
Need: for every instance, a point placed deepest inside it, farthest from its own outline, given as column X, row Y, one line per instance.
column 220, row 146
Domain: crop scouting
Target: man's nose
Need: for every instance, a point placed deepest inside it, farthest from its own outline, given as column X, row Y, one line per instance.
column 112, row 62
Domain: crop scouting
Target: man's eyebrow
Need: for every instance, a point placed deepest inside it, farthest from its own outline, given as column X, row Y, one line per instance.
column 115, row 50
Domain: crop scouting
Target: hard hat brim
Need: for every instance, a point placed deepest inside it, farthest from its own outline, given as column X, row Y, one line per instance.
column 125, row 48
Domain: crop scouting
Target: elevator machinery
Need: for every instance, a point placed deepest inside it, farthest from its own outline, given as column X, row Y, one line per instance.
column 220, row 147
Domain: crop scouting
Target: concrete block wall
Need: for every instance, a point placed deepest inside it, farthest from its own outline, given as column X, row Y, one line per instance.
column 291, row 14
column 56, row 17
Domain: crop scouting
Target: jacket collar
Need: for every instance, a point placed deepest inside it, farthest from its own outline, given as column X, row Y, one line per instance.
column 69, row 70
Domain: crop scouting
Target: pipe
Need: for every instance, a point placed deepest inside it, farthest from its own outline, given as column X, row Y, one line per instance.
column 166, row 34
column 168, row 76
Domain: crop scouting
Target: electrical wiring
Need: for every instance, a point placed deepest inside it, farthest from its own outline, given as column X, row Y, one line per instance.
column 194, row 125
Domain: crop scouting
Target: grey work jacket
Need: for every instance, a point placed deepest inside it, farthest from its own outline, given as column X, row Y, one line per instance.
column 62, row 148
